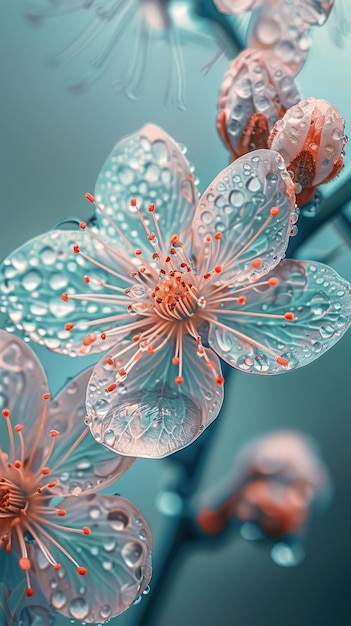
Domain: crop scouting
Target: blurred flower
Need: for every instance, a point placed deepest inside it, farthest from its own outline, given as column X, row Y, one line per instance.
column 171, row 282
column 311, row 139
column 127, row 27
column 89, row 555
column 255, row 92
column 277, row 481
column 237, row 6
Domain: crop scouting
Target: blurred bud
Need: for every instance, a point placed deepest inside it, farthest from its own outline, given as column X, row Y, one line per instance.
column 256, row 91
column 276, row 482
column 311, row 139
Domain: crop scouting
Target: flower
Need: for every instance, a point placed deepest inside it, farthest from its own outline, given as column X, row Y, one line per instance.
column 237, row 6
column 311, row 139
column 169, row 283
column 87, row 554
column 132, row 24
column 276, row 481
column 256, row 91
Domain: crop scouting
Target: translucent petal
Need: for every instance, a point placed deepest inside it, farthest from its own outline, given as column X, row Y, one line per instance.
column 22, row 381
column 34, row 277
column 149, row 415
column 318, row 298
column 282, row 30
column 237, row 6
column 150, row 166
column 117, row 555
column 238, row 204
column 89, row 467
column 314, row 12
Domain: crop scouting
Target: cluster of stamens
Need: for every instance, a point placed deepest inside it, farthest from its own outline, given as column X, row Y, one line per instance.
column 25, row 495
column 168, row 296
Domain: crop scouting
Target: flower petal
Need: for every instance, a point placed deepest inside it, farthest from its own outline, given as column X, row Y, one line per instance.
column 117, row 555
column 150, row 415
column 89, row 467
column 313, row 305
column 251, row 203
column 34, row 278
column 22, row 381
column 237, row 6
column 150, row 166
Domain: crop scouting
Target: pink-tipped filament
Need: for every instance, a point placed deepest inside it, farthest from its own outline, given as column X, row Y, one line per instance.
column 162, row 295
column 25, row 495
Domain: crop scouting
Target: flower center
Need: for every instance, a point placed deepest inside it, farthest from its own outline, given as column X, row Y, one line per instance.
column 25, row 493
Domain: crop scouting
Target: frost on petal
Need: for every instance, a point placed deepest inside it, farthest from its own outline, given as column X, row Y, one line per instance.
column 150, row 166
column 34, row 277
column 251, row 203
column 282, row 30
column 289, row 319
column 237, row 6
column 116, row 554
column 22, row 381
column 149, row 414
column 89, row 467
column 256, row 91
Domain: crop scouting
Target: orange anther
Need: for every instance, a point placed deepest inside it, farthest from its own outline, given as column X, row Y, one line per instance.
column 90, row 197
column 289, row 316
column 87, row 341
column 103, row 336
column 57, row 567
column 208, row 238
column 69, row 326
column 218, row 236
column 256, row 263
column 173, row 251
column 111, row 387
column 179, row 380
column 152, row 207
column 175, row 360
column 86, row 279
column 61, row 512
column 52, row 484
column 8, row 547
column 273, row 281
column 151, row 237
column 219, row 381
column 86, row 530
column 167, row 259
column 155, row 255
column 54, row 433
column 76, row 248
column 274, row 211
column 64, row 297
column 24, row 563
column 6, row 412
column 109, row 361
column 136, row 337
column 82, row 571
column 174, row 239
column 218, row 269
column 18, row 464
column 29, row 592
column 282, row 361
column 46, row 396
column 45, row 471
column 122, row 372
column 82, row 225
column 150, row 349
column 242, row 300
column 18, row 428
column 133, row 202
column 207, row 275
column 138, row 252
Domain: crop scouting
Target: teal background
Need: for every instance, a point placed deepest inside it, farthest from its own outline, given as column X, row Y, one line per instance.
column 53, row 144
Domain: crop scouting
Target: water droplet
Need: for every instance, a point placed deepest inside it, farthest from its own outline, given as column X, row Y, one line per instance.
column 58, row 599
column 253, row 184
column 94, row 512
column 79, row 608
column 131, row 553
column 109, row 437
column 48, row 256
column 138, row 291
column 287, row 556
column 119, row 519
column 201, row 302
column 83, row 464
column 31, row 280
column 261, row 363
column 105, row 611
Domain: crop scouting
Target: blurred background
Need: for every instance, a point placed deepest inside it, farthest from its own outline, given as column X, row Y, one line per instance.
column 55, row 136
